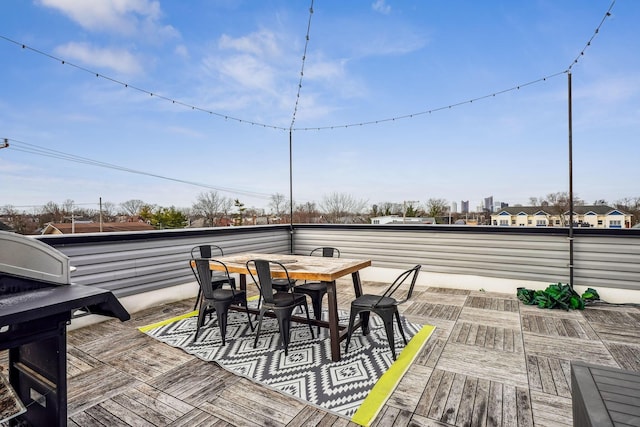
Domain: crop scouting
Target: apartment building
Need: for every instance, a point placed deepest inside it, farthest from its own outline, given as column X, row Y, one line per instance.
column 597, row 216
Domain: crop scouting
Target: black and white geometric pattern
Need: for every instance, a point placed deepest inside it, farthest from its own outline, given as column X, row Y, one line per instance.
column 307, row 372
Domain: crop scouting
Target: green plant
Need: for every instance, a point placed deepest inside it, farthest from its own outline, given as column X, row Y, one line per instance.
column 557, row 295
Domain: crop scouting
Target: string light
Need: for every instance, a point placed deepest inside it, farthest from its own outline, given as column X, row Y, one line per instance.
column 304, row 58
column 597, row 31
column 329, row 127
column 129, row 86
column 26, row 147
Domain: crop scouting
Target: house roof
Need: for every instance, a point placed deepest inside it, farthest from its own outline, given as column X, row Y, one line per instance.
column 94, row 227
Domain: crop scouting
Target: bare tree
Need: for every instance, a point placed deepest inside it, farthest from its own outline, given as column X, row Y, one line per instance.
column 210, row 206
column 50, row 212
column 278, row 204
column 67, row 207
column 306, row 213
column 341, row 207
column 389, row 208
column 19, row 221
column 556, row 204
column 132, row 207
column 630, row 205
column 108, row 211
column 436, row 207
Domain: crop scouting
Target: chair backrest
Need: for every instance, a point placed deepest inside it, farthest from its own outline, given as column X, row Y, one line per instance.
column 406, row 276
column 206, row 251
column 204, row 275
column 262, row 268
column 327, row 252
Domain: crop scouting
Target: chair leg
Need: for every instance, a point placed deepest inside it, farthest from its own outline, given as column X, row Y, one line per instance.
column 352, row 318
column 388, row 327
column 306, row 309
column 284, row 323
column 201, row 314
column 195, row 306
column 222, row 311
column 260, row 316
column 316, row 301
column 246, row 309
column 364, row 320
column 400, row 327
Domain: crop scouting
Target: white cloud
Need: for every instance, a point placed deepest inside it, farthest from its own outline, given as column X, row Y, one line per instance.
column 119, row 60
column 381, row 6
column 262, row 43
column 125, row 17
column 182, row 51
column 612, row 89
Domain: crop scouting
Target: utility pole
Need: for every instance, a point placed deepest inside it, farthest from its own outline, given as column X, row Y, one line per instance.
column 570, row 183
column 5, row 144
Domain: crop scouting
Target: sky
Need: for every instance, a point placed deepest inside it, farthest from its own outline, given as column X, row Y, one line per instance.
column 384, row 101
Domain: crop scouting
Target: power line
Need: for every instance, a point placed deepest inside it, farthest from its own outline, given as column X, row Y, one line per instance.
column 26, row 147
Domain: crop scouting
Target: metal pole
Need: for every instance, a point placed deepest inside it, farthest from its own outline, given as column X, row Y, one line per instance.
column 290, row 192
column 570, row 188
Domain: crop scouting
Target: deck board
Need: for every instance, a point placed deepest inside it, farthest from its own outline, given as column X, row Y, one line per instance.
column 491, row 361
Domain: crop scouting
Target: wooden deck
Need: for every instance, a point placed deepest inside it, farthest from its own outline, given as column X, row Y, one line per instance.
column 491, row 362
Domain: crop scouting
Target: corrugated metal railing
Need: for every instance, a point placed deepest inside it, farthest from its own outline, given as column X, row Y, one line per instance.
column 131, row 263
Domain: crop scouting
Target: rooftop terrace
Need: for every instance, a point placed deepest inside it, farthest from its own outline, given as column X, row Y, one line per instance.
column 491, row 361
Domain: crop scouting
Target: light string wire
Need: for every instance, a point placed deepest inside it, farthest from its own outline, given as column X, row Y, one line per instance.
column 145, row 91
column 593, row 36
column 26, row 147
column 304, row 58
column 291, row 128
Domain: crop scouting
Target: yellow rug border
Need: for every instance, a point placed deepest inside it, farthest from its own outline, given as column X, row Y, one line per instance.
column 147, row 328
column 388, row 382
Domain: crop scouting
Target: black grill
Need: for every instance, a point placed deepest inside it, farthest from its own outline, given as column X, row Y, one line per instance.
column 37, row 300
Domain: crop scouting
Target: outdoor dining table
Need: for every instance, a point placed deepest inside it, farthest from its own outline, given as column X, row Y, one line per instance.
column 312, row 268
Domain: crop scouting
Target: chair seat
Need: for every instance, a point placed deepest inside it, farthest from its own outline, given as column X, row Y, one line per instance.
column 369, row 301
column 287, row 299
column 221, row 279
column 227, row 294
column 311, row 286
column 282, row 285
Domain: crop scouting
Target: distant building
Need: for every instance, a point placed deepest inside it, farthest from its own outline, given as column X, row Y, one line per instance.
column 597, row 216
column 397, row 219
column 454, row 207
column 488, row 204
column 94, row 227
column 464, row 206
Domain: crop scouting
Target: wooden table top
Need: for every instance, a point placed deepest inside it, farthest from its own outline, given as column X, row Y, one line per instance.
column 301, row 267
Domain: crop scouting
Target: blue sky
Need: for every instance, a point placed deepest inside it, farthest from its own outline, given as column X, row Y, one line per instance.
column 234, row 66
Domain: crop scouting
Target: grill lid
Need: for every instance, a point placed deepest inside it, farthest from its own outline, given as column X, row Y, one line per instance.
column 30, row 258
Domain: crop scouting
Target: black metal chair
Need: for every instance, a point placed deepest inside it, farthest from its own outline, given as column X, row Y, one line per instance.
column 218, row 278
column 317, row 290
column 280, row 303
column 217, row 299
column 385, row 306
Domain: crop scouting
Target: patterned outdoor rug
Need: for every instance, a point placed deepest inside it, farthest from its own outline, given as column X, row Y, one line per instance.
column 356, row 387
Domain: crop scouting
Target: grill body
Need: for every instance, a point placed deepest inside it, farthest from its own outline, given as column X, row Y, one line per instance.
column 37, row 300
